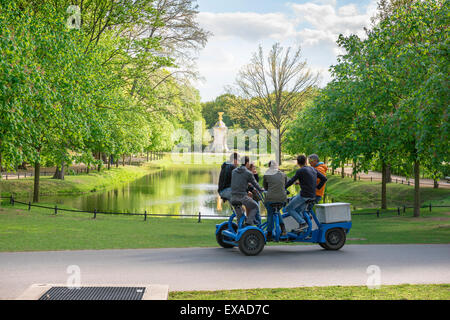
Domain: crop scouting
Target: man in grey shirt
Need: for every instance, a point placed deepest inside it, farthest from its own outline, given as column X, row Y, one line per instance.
column 240, row 178
column 275, row 185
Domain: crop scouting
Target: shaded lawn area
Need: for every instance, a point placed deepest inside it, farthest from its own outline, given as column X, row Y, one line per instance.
column 41, row 230
column 75, row 184
column 391, row 292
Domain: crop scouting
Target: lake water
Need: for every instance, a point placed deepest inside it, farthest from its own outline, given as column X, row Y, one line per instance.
column 180, row 191
column 170, row 191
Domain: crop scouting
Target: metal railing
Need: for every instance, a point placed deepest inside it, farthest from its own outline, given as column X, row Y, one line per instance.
column 199, row 216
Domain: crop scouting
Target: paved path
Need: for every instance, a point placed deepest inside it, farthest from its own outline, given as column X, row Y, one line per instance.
column 217, row 268
column 395, row 179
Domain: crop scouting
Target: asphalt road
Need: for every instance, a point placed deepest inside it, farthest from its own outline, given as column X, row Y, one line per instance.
column 217, row 268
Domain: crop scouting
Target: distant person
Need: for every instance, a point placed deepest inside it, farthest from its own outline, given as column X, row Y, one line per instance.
column 240, row 179
column 225, row 176
column 252, row 191
column 313, row 160
column 274, row 182
column 307, row 176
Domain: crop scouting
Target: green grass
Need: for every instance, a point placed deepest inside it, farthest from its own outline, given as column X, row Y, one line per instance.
column 76, row 184
column 368, row 194
column 41, row 230
column 391, row 292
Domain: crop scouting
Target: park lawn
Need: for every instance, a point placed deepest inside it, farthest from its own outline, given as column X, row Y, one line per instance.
column 41, row 230
column 390, row 292
column 76, row 184
column 368, row 194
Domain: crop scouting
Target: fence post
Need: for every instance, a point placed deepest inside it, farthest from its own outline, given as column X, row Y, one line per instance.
column 145, row 215
column 56, row 209
column 378, row 213
column 29, row 205
column 199, row 217
column 370, row 178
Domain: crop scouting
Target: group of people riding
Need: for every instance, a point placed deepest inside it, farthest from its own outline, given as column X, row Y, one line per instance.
column 237, row 184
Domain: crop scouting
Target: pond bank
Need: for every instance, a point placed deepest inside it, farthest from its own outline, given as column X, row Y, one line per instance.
column 76, row 184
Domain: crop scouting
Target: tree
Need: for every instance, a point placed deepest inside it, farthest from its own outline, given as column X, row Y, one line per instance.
column 269, row 92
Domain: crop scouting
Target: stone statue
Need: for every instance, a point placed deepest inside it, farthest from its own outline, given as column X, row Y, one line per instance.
column 220, row 136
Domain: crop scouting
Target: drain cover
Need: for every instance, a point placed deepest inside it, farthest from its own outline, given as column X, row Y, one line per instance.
column 94, row 293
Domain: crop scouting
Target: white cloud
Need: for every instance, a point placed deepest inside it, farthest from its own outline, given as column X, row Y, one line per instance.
column 327, row 22
column 247, row 25
column 314, row 25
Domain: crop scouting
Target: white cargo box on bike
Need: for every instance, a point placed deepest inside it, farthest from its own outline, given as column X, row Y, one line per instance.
column 333, row 212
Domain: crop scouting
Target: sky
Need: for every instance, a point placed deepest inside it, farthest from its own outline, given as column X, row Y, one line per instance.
column 240, row 26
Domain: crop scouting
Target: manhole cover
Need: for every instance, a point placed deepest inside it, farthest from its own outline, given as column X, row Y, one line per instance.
column 94, row 293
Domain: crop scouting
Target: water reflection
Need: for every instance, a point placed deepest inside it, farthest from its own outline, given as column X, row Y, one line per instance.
column 171, row 191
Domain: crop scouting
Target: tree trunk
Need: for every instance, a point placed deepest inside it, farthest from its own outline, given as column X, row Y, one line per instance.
column 129, row 162
column 88, row 167
column 117, row 162
column 435, row 184
column 147, row 156
column 354, row 170
column 59, row 172
column 109, row 162
column 383, row 185
column 388, row 174
column 343, row 172
column 37, row 171
column 416, row 188
column 123, row 160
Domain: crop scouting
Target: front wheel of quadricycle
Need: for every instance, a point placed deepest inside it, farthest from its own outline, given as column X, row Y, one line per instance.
column 323, row 245
column 219, row 236
column 252, row 242
column 334, row 239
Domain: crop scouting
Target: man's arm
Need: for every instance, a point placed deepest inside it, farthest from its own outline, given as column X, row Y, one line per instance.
column 254, row 183
column 293, row 179
column 322, row 178
column 265, row 184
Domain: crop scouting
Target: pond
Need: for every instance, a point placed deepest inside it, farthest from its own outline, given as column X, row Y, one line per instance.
column 179, row 190
column 184, row 191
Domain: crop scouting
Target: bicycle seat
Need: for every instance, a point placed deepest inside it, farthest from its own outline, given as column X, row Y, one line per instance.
column 277, row 205
column 310, row 204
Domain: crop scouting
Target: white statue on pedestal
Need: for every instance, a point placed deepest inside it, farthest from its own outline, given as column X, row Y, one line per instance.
column 220, row 136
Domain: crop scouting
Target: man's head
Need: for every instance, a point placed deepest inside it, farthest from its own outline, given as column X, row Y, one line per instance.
column 234, row 159
column 313, row 160
column 301, row 160
column 273, row 165
column 245, row 161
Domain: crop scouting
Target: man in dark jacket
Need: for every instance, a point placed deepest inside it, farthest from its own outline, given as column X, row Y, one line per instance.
column 307, row 176
column 225, row 176
column 240, row 178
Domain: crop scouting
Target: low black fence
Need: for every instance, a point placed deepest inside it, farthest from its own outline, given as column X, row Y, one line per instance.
column 199, row 216
column 95, row 212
